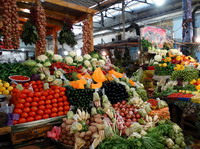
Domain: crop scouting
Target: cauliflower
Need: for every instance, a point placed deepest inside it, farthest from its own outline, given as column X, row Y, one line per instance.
column 102, row 62
column 93, row 59
column 103, row 57
column 79, row 58
column 42, row 58
column 42, row 76
column 157, row 58
column 50, row 52
column 57, row 57
column 87, row 57
column 87, row 63
column 72, row 53
column 69, row 60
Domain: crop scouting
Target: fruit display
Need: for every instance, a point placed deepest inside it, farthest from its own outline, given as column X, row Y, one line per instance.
column 116, row 92
column 80, row 98
column 5, row 88
column 10, row 24
column 40, row 104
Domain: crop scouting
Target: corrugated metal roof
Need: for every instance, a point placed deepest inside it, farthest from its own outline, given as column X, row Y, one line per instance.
column 86, row 3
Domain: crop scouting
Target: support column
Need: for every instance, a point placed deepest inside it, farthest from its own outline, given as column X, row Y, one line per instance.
column 187, row 21
column 123, row 19
column 90, row 19
column 55, row 41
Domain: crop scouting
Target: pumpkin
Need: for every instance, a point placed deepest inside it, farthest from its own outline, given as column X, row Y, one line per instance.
column 109, row 77
column 117, row 74
column 98, row 75
column 87, row 76
column 170, row 54
column 79, row 76
column 97, row 85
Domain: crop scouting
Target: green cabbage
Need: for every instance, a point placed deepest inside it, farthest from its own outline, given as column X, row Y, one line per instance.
column 30, row 63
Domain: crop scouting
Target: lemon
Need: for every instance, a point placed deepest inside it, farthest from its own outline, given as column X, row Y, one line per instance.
column 6, row 84
column 10, row 88
column 2, row 89
column 1, row 84
column 6, row 92
column 0, row 93
column 1, row 81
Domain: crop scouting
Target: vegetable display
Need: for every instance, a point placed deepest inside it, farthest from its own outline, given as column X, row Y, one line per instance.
column 5, row 88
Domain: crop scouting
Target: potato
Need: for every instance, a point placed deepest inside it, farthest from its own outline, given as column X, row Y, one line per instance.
column 97, row 116
column 87, row 122
column 63, row 125
column 87, row 138
column 93, row 129
column 63, row 131
column 69, row 121
column 64, row 119
column 82, row 135
column 98, row 120
column 92, row 119
column 67, row 128
column 88, row 143
column 100, row 126
column 88, row 133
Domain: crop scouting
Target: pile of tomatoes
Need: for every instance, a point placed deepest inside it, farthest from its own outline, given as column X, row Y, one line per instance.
column 39, row 104
column 128, row 112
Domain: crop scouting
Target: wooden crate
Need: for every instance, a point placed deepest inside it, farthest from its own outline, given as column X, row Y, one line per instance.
column 30, row 133
column 5, row 130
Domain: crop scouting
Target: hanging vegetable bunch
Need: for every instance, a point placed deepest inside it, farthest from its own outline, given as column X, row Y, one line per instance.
column 10, row 24
column 39, row 19
column 87, row 37
column 29, row 34
column 66, row 35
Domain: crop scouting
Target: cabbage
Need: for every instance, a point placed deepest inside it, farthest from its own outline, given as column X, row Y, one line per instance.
column 135, row 127
column 95, row 55
column 57, row 82
column 142, row 112
column 178, row 141
column 147, row 108
column 169, row 142
column 42, row 76
column 162, row 104
column 47, row 64
column 35, row 77
column 30, row 63
column 35, row 70
column 70, row 114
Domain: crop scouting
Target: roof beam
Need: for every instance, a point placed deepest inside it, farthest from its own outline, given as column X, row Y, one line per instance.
column 67, row 5
column 106, row 4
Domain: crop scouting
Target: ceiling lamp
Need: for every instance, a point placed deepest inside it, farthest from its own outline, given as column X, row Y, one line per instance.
column 159, row 2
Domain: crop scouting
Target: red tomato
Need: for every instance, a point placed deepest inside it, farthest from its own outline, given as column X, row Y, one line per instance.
column 40, row 112
column 34, row 104
column 27, row 104
column 30, row 119
column 36, row 90
column 47, row 111
column 15, row 122
column 31, row 94
column 60, row 113
column 63, row 89
column 26, row 91
column 32, row 82
column 26, row 109
column 45, row 116
column 56, row 95
column 64, row 98
column 51, row 92
column 66, row 103
column 29, row 99
column 60, row 104
column 41, row 107
column 48, row 106
column 53, row 114
column 60, row 99
column 122, row 114
column 32, row 113
column 22, row 100
column 19, row 106
column 45, row 93
column 62, row 93
column 39, row 82
column 54, row 110
column 40, row 86
column 26, row 84
column 34, row 109
column 57, row 91
column 41, row 103
column 65, row 112
column 60, row 109
column 18, row 111
column 22, row 120
column 37, row 94
column 38, row 117
column 54, row 100
column 48, row 101
column 66, row 108
column 55, row 105
column 42, row 98
column 22, row 96
column 50, row 97
column 24, row 115
column 35, row 86
column 36, row 99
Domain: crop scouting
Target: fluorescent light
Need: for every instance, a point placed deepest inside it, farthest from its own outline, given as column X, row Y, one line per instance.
column 159, row 2
column 22, row 49
column 104, row 53
column 198, row 39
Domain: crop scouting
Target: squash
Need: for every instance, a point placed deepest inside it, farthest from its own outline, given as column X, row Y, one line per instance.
column 97, row 85
column 131, row 82
column 87, row 76
column 79, row 75
column 117, row 74
column 170, row 54
column 109, row 77
column 98, row 75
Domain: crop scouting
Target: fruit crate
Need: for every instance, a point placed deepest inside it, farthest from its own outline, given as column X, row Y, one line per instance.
column 32, row 130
